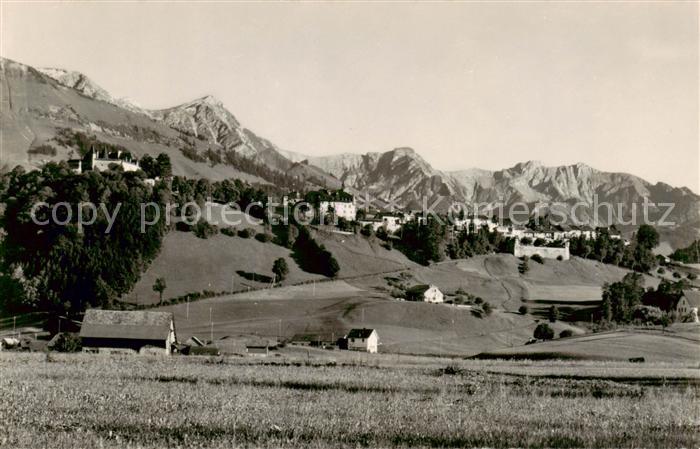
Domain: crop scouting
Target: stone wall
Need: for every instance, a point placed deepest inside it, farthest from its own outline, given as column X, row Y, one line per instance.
column 543, row 251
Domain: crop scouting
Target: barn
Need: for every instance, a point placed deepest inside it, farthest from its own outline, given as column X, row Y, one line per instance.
column 129, row 331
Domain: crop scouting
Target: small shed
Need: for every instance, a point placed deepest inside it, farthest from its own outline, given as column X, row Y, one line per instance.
column 363, row 340
column 130, row 331
column 257, row 350
column 258, row 346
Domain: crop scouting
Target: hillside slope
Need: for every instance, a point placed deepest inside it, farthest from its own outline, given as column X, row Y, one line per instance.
column 222, row 263
column 495, row 278
column 329, row 310
column 682, row 342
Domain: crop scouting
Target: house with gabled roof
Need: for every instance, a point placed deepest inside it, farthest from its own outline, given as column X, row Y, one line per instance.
column 426, row 293
column 689, row 304
column 127, row 330
column 363, row 340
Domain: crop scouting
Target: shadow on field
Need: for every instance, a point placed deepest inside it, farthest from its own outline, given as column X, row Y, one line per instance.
column 256, row 277
column 293, row 385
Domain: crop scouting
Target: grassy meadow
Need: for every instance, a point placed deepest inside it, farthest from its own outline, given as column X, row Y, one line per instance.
column 82, row 400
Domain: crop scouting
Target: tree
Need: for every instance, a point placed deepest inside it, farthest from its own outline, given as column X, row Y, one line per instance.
column 225, row 192
column 486, row 307
column 67, row 342
column 553, row 314
column 566, row 333
column 543, row 332
column 280, row 269
column 690, row 254
column 285, row 234
column 423, row 243
column 203, row 229
column 523, row 310
column 148, row 165
column 524, row 267
column 647, row 236
column 620, row 298
column 159, row 286
column 312, row 256
column 165, row 168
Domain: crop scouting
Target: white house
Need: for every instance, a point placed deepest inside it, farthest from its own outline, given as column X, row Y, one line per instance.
column 363, row 340
column 688, row 304
column 511, row 231
column 391, row 223
column 479, row 222
column 425, row 293
column 345, row 209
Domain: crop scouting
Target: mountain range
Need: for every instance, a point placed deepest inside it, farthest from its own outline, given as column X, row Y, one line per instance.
column 38, row 104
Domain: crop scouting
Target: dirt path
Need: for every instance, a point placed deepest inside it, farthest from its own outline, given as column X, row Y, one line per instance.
column 500, row 281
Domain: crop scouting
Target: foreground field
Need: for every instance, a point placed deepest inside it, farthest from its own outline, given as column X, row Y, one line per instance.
column 385, row 401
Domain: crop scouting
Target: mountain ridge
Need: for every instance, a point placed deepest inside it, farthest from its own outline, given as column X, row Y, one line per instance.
column 36, row 102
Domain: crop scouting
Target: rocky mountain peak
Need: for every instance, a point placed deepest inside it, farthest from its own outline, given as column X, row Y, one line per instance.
column 404, row 151
column 207, row 100
column 86, row 86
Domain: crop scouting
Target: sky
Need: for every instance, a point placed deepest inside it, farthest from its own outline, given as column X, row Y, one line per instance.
column 613, row 85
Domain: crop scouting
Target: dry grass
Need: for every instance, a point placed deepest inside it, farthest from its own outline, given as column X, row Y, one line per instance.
column 95, row 401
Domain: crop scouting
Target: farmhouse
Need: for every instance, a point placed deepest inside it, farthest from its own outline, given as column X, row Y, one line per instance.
column 131, row 331
column 363, row 340
column 426, row 293
column 689, row 303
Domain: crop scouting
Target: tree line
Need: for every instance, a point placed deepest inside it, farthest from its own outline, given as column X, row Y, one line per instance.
column 689, row 254
column 637, row 256
column 65, row 268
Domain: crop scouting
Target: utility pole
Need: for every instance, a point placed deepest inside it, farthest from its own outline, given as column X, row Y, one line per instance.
column 188, row 308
